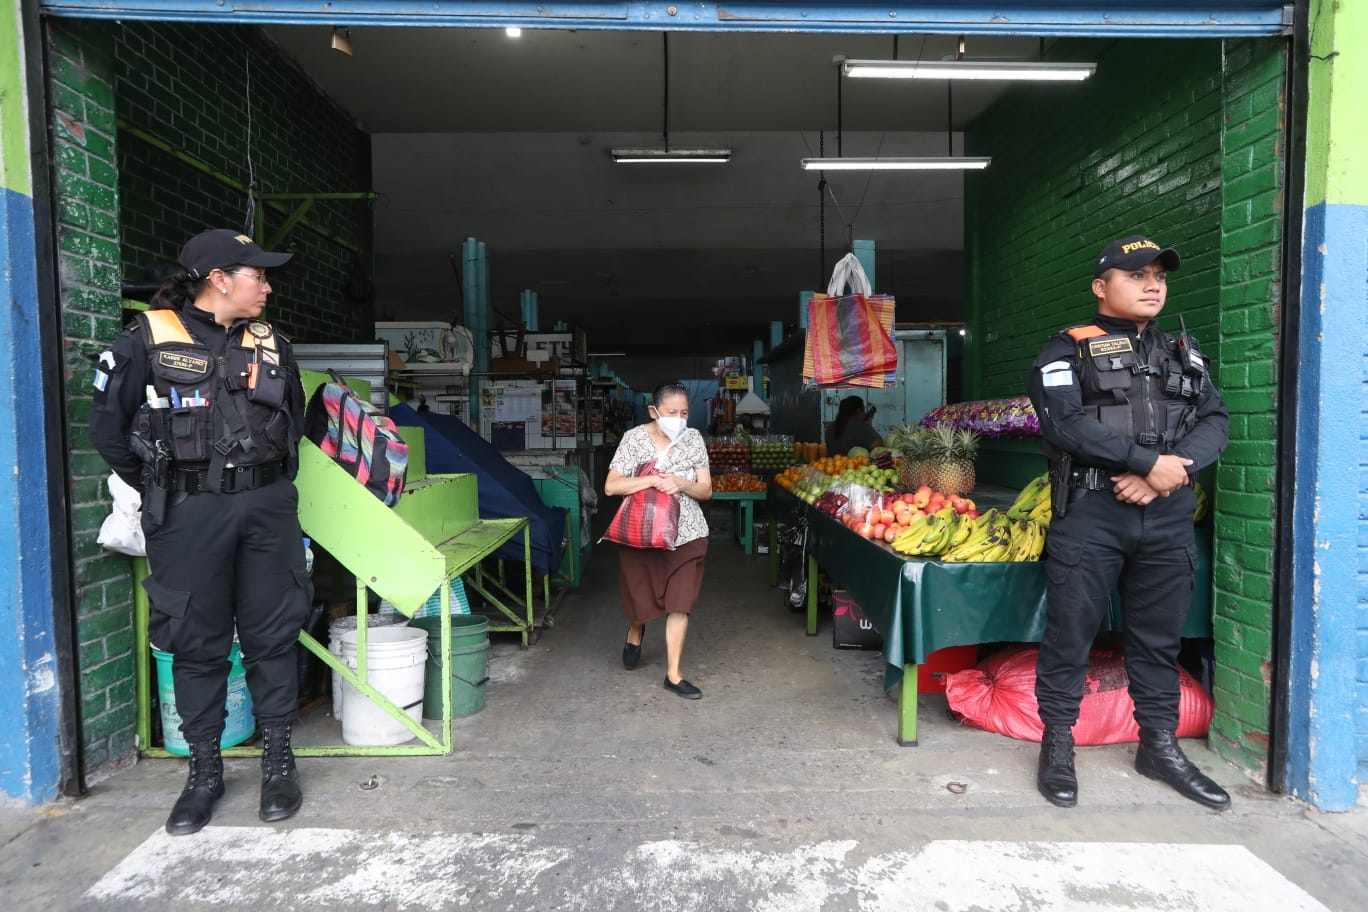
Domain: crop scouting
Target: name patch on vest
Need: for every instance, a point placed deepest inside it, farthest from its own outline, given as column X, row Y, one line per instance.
column 187, row 363
column 1109, row 347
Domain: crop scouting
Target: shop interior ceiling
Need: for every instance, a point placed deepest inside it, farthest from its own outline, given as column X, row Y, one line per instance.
column 477, row 134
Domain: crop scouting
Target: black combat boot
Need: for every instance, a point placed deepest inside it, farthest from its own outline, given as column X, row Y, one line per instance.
column 1055, row 772
column 203, row 787
column 280, row 794
column 1160, row 757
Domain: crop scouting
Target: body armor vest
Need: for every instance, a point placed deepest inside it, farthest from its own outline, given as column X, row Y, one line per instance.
column 226, row 410
column 1151, row 400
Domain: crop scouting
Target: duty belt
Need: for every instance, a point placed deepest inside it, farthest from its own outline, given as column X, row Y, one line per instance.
column 195, row 479
column 1092, row 479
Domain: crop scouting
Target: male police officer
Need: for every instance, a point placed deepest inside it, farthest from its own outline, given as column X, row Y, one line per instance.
column 1129, row 415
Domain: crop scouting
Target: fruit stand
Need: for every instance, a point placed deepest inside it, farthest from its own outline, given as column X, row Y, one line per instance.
column 922, row 605
column 929, row 566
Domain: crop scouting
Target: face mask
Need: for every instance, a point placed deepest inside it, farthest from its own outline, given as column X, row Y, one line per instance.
column 671, row 427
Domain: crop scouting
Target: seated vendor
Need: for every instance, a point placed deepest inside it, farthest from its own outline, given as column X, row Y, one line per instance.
column 851, row 428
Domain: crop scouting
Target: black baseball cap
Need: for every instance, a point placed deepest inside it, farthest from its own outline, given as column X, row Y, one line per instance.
column 219, row 248
column 1131, row 252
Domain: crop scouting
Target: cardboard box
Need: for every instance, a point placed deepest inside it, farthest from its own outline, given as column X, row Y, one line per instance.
column 850, row 629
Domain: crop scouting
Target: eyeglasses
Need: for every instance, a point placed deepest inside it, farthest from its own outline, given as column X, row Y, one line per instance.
column 259, row 276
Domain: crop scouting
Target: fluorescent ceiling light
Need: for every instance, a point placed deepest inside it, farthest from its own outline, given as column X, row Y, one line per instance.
column 671, row 156
column 513, row 32
column 968, row 69
column 895, row 164
column 607, row 354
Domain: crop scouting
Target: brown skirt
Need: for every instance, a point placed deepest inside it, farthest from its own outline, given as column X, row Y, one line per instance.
column 655, row 582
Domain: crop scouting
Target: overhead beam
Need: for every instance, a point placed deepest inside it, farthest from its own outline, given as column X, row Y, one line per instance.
column 1156, row 18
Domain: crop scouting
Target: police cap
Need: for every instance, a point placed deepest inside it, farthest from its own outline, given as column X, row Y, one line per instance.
column 1133, row 252
column 219, row 248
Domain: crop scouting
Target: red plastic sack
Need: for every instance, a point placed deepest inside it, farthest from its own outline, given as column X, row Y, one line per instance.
column 646, row 519
column 999, row 696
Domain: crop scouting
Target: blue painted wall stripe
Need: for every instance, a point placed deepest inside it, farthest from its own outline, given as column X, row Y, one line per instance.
column 30, row 757
column 1324, row 750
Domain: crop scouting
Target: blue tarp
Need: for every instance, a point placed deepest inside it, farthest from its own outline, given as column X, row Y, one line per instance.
column 505, row 490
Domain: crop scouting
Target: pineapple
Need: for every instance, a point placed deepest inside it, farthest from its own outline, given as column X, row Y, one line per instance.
column 950, row 468
column 912, row 452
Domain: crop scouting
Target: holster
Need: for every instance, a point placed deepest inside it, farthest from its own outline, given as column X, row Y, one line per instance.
column 1061, row 470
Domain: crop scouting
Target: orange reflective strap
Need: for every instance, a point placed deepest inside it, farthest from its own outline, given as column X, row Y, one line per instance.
column 166, row 326
column 1079, row 333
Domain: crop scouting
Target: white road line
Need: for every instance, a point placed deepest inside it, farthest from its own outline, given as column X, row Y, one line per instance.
column 333, row 869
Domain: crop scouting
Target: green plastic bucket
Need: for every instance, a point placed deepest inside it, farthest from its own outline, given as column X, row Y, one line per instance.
column 469, row 664
column 239, row 725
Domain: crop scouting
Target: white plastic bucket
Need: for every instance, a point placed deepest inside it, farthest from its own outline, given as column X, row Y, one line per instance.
column 335, row 631
column 396, row 658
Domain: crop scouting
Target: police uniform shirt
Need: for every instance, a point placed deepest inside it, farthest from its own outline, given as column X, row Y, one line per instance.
column 124, row 372
column 1053, row 384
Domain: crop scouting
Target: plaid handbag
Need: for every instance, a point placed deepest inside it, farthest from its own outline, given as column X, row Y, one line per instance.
column 646, row 519
column 850, row 336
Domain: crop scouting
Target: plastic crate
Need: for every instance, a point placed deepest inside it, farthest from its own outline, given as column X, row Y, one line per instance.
column 563, row 490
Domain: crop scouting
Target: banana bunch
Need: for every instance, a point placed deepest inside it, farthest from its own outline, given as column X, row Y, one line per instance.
column 930, row 535
column 1033, row 503
column 1028, row 541
column 1203, row 502
column 990, row 540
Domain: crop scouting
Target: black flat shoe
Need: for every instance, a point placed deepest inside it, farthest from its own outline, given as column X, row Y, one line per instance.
column 684, row 689
column 631, row 654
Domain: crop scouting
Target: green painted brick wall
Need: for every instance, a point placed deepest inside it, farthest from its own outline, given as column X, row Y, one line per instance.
column 122, row 204
column 1073, row 170
column 250, row 114
column 1195, row 161
column 1252, row 171
column 82, row 133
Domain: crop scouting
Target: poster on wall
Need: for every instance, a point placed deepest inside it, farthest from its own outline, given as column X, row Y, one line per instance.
column 510, row 403
column 558, row 414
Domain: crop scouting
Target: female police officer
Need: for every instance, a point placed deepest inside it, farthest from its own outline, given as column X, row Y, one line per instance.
column 198, row 405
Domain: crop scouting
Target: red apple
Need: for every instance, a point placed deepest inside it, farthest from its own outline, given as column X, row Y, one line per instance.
column 887, row 518
column 891, row 533
column 973, row 514
column 864, row 529
column 908, row 498
column 879, row 530
column 905, row 518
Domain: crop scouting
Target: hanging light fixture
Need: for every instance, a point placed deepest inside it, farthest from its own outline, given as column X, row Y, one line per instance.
column 1036, row 71
column 947, row 162
column 671, row 156
column 666, row 155
column 924, row 163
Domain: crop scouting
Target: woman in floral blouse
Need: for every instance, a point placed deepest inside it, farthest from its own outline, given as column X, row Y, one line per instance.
column 657, row 582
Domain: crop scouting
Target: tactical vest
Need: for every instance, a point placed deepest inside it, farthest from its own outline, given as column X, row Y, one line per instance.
column 1152, row 401
column 221, row 411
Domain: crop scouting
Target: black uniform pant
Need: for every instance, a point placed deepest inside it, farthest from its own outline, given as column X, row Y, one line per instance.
column 221, row 561
column 1148, row 554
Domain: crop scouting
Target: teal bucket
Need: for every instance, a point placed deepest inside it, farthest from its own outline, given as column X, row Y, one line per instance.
column 469, row 661
column 237, row 728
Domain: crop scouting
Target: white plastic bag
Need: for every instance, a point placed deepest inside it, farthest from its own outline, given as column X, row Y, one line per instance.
column 849, row 272
column 122, row 528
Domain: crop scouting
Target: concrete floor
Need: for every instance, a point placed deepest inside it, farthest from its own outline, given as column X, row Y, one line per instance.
column 585, row 786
